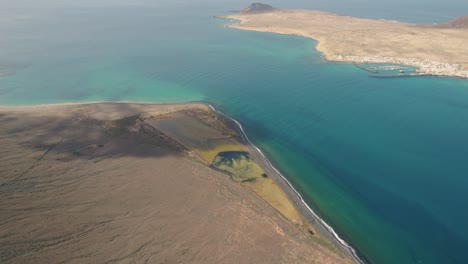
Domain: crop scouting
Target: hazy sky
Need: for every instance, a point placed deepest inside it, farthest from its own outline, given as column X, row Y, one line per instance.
column 422, row 11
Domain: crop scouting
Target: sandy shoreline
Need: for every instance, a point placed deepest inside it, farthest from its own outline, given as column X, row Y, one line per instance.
column 107, row 111
column 31, row 107
column 435, row 51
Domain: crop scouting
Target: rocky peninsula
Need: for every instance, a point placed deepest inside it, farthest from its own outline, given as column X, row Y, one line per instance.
column 439, row 49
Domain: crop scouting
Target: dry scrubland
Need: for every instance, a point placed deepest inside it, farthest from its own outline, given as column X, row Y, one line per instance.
column 438, row 49
column 102, row 183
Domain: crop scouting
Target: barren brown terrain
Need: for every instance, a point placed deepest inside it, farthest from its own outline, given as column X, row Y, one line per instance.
column 437, row 49
column 460, row 22
column 95, row 183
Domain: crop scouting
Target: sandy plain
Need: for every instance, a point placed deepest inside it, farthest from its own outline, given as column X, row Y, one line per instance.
column 435, row 50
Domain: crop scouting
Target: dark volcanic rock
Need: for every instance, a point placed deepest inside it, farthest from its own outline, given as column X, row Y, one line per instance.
column 256, row 8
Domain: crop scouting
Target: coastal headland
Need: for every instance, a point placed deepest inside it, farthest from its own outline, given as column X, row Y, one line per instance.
column 439, row 49
column 147, row 183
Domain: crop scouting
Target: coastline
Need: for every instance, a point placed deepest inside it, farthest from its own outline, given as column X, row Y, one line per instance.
column 305, row 210
column 331, row 51
column 81, row 180
column 26, row 106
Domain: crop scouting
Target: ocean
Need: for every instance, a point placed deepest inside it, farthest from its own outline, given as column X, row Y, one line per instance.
column 383, row 161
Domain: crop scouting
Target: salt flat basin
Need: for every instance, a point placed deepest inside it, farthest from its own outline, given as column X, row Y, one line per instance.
column 197, row 135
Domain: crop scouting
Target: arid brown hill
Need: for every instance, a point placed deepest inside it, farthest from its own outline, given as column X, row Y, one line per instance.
column 461, row 22
column 97, row 183
column 256, row 8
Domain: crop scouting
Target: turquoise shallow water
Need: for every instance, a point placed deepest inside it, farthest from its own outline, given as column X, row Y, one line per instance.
column 382, row 160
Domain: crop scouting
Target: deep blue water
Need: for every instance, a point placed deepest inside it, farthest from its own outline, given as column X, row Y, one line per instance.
column 384, row 161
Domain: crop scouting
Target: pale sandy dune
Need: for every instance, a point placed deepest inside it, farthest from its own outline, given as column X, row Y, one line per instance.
column 438, row 51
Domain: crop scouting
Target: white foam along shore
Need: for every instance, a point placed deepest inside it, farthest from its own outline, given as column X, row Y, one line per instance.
column 327, row 227
column 309, row 209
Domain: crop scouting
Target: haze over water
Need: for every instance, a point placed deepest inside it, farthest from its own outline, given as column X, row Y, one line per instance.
column 384, row 161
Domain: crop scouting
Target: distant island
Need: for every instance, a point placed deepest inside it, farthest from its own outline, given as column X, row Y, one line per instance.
column 461, row 22
column 438, row 49
column 256, row 8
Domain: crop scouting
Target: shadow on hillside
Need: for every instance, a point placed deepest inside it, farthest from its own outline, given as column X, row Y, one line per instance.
column 54, row 138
